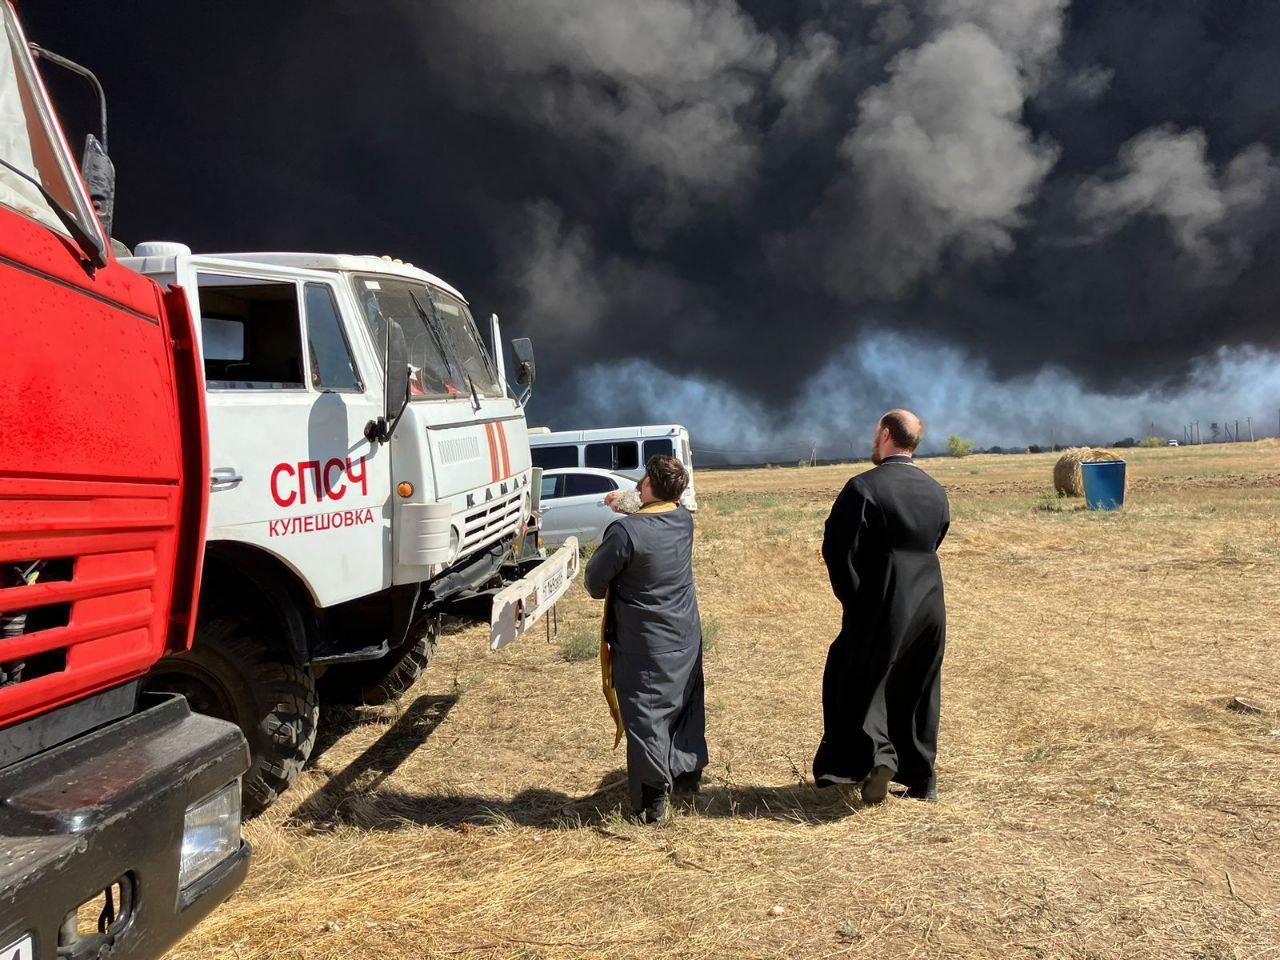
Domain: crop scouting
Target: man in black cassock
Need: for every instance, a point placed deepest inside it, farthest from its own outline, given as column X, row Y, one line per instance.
column 653, row 638
column 881, row 690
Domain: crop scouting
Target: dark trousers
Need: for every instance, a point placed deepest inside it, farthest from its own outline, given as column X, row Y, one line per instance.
column 663, row 710
column 881, row 698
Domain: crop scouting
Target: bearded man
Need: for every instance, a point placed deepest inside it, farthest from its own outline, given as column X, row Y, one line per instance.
column 882, row 686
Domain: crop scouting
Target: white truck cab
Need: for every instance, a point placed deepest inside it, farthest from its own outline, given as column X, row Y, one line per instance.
column 369, row 473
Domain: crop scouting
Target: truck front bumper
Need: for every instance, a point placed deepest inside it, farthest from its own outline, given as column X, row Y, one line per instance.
column 110, row 807
column 519, row 605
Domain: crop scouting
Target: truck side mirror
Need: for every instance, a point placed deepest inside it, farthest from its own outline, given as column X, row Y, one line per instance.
column 397, row 371
column 396, row 390
column 526, row 369
column 100, row 177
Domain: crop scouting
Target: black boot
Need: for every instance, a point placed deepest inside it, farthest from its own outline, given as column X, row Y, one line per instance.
column 687, row 782
column 928, row 791
column 876, row 787
column 655, row 805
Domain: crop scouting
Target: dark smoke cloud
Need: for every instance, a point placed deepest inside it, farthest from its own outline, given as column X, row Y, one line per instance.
column 768, row 219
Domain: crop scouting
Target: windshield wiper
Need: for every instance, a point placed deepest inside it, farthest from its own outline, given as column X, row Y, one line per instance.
column 86, row 241
column 445, row 353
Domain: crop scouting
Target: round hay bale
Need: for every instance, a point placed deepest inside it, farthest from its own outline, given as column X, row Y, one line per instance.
column 1068, row 480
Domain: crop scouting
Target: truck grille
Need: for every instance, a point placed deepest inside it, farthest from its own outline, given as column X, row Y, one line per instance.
column 81, row 564
column 489, row 524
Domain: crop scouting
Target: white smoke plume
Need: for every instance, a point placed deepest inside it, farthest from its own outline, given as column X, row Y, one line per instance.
column 1166, row 173
column 939, row 163
column 954, row 393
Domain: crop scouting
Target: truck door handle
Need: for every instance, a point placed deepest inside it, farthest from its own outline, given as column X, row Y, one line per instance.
column 224, row 477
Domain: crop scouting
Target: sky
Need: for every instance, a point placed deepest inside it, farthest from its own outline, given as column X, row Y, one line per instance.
column 1032, row 221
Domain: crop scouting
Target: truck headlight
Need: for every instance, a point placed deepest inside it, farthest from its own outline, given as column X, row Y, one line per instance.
column 210, row 833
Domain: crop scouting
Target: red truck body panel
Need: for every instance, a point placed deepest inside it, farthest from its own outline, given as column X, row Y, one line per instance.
column 103, row 469
column 92, row 467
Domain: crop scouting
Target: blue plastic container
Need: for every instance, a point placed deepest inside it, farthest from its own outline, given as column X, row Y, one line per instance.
column 1104, row 485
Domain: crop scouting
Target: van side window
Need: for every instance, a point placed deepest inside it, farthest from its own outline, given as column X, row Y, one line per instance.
column 549, row 458
column 653, row 448
column 250, row 334
column 332, row 366
column 616, row 455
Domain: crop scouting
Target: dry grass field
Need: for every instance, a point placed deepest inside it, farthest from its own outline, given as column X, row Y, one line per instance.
column 1098, row 797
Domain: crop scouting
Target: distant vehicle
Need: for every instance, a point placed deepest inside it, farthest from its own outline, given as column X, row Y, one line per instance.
column 1173, row 443
column 573, row 503
column 622, row 450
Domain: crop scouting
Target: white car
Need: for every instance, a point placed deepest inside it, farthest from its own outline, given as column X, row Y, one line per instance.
column 573, row 503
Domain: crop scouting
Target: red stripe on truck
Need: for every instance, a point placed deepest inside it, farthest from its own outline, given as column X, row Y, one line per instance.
column 493, row 452
column 506, row 455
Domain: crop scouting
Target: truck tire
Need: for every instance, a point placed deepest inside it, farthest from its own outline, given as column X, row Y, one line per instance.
column 372, row 683
column 234, row 673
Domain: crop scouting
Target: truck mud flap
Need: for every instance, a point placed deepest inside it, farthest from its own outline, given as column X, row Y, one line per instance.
column 519, row 606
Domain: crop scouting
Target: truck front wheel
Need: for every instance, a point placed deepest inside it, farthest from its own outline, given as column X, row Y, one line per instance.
column 375, row 682
column 233, row 673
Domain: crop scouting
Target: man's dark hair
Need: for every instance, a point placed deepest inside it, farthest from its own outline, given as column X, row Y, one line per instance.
column 905, row 428
column 667, row 476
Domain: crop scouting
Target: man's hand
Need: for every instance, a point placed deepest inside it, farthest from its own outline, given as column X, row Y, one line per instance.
column 622, row 501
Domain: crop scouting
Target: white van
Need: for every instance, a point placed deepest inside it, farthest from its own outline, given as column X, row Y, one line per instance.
column 623, row 450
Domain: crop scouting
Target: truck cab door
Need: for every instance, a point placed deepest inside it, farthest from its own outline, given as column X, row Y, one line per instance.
column 289, row 393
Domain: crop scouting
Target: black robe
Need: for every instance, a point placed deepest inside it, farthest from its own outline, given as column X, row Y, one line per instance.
column 645, row 565
column 881, row 689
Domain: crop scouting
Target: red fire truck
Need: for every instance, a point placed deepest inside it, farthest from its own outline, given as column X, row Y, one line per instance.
column 119, row 812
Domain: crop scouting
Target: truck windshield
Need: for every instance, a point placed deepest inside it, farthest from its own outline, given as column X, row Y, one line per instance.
column 29, row 144
column 445, row 352
column 465, row 343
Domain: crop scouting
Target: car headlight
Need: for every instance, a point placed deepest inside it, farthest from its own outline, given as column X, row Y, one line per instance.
column 455, row 543
column 210, row 833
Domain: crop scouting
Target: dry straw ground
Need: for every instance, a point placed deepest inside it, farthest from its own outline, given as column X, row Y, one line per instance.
column 1098, row 797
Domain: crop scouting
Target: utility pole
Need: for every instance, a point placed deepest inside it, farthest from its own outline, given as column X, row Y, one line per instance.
column 1237, row 431
column 1249, row 421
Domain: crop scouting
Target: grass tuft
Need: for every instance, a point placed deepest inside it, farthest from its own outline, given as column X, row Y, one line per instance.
column 710, row 633
column 580, row 641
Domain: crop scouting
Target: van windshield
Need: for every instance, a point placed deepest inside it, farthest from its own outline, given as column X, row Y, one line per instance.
column 445, row 353
column 28, row 142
